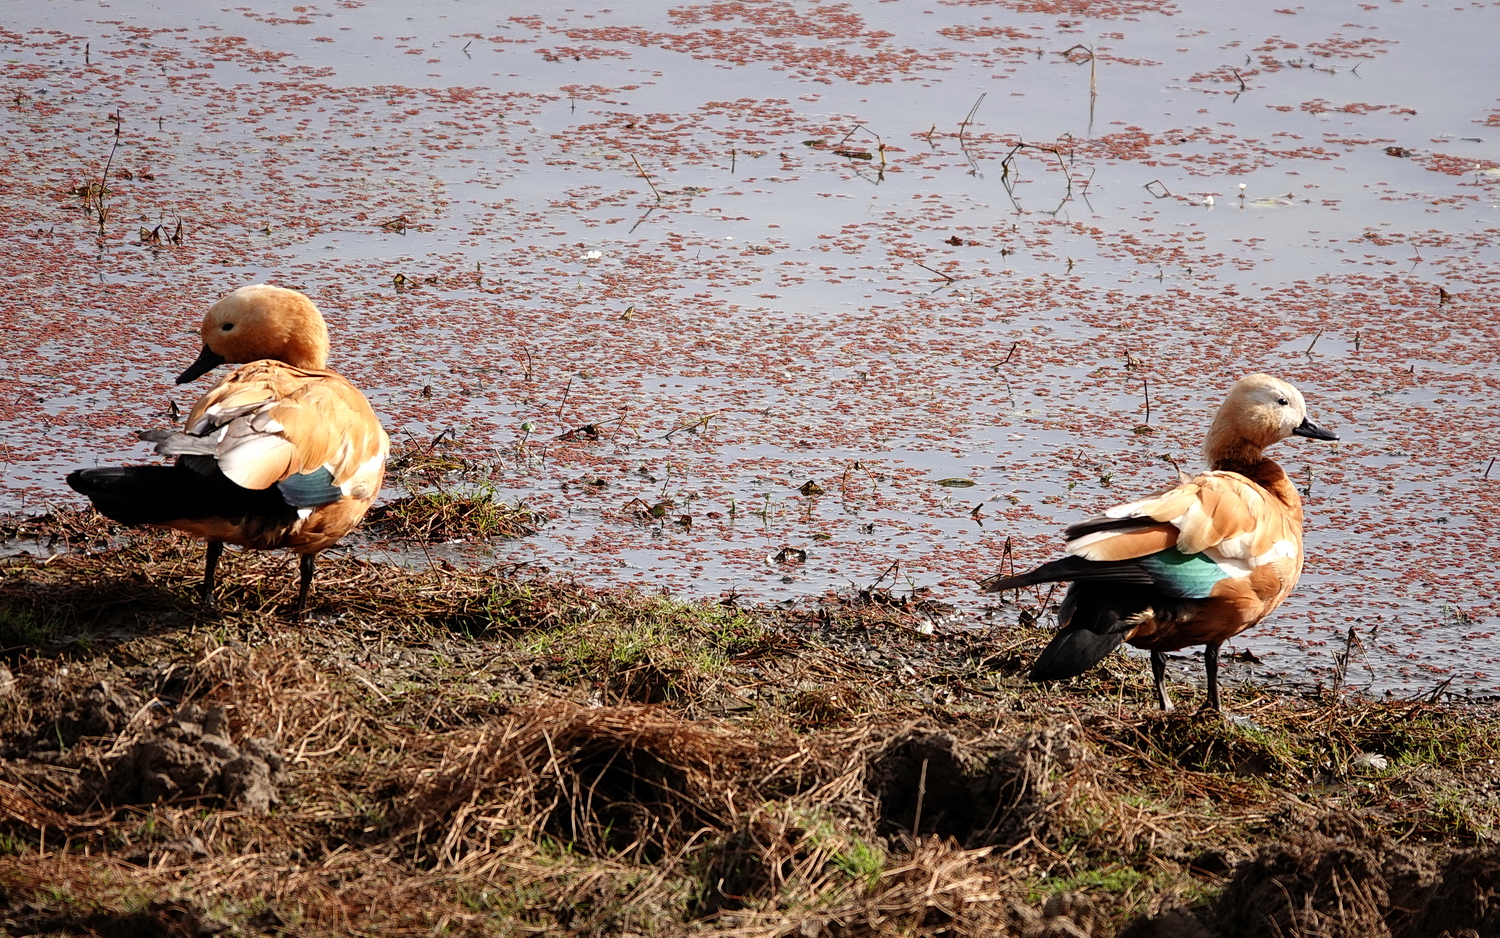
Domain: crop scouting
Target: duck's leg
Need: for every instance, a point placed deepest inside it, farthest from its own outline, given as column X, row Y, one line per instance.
column 1211, row 667
column 305, row 566
column 1159, row 674
column 210, row 566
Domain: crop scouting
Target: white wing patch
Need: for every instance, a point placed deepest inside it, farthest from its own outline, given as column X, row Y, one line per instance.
column 1231, row 564
column 1281, row 550
column 360, row 477
column 1230, row 555
column 1239, row 547
column 1129, row 509
column 242, row 461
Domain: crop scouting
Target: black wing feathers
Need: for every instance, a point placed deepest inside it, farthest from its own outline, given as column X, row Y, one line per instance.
column 1074, row 568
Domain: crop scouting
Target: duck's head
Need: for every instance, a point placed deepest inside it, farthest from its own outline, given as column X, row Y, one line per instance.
column 258, row 322
column 1260, row 410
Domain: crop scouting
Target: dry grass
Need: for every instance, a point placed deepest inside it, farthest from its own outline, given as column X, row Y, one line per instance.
column 461, row 753
column 443, row 515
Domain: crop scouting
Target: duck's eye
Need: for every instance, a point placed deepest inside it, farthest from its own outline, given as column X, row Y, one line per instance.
column 1280, row 400
column 230, row 325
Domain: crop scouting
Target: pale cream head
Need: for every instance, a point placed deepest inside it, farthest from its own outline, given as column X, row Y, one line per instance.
column 1259, row 411
column 260, row 322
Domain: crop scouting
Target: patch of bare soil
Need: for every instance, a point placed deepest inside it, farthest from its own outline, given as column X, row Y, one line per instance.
column 442, row 752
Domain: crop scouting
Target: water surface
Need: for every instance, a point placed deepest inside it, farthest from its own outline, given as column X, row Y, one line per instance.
column 873, row 246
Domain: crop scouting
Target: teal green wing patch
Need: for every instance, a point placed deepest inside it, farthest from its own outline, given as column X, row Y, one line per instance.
column 1186, row 576
column 310, row 489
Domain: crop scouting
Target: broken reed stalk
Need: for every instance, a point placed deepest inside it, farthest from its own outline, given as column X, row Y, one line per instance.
column 916, row 821
column 1313, row 342
column 946, row 277
column 104, row 179
column 892, row 571
column 1067, row 176
column 969, row 118
column 1009, row 160
column 879, row 147
column 1437, row 692
column 1146, row 389
column 1341, row 666
column 1093, row 66
column 644, row 176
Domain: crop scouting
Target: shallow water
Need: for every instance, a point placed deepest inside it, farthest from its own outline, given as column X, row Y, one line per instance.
column 952, row 307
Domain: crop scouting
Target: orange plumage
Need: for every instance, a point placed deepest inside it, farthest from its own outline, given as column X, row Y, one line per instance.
column 1194, row 564
column 279, row 454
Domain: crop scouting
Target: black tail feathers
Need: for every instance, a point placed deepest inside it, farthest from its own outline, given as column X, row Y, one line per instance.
column 1095, row 619
column 163, row 494
column 1097, row 616
column 139, row 494
column 1073, row 651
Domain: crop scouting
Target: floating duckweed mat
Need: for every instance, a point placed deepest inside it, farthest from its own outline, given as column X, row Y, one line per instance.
column 461, row 752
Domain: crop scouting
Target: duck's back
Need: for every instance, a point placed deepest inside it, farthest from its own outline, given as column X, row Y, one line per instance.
column 286, row 421
column 308, row 433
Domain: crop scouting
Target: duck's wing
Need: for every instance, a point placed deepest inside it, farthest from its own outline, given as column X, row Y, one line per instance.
column 1190, row 538
column 311, row 434
column 1216, row 530
column 1220, row 511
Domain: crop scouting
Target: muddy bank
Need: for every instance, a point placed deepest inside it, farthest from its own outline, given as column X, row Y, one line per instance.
column 463, row 753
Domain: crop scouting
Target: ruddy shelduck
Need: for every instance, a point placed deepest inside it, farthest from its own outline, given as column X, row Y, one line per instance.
column 282, row 453
column 1192, row 565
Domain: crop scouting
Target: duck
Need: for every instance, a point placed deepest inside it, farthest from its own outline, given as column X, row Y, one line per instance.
column 1194, row 564
column 280, row 454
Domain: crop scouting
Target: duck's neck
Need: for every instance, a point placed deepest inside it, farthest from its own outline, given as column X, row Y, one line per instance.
column 1269, row 475
column 1236, row 455
column 1227, row 445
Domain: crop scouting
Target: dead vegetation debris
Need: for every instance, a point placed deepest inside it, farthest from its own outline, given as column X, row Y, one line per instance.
column 1344, row 879
column 444, row 515
column 625, row 782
